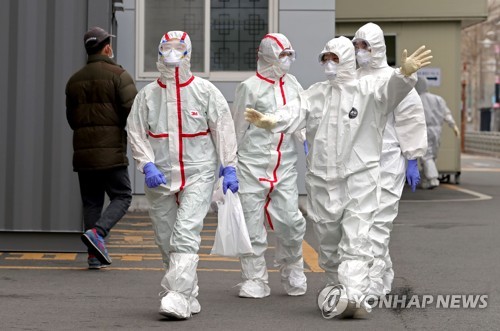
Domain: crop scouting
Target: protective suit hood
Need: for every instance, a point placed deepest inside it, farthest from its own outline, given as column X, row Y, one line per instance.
column 421, row 85
column 344, row 49
column 168, row 72
column 268, row 55
column 373, row 34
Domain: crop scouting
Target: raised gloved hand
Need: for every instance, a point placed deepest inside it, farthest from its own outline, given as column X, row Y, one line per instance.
column 412, row 174
column 154, row 177
column 306, row 148
column 410, row 64
column 230, row 180
column 260, row 120
column 456, row 131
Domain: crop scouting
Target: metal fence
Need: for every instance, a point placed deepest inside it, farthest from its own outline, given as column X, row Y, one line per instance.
column 481, row 142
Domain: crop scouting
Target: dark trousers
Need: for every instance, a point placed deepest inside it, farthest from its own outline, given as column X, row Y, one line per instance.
column 93, row 185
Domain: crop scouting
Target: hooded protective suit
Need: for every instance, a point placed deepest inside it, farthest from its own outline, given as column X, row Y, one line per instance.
column 268, row 175
column 405, row 138
column 344, row 120
column 436, row 112
column 183, row 125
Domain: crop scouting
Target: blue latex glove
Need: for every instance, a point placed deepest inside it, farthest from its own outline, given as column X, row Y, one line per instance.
column 230, row 180
column 154, row 177
column 412, row 174
column 306, row 148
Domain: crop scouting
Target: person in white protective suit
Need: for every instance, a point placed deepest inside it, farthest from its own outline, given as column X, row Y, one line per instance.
column 344, row 119
column 179, row 128
column 267, row 173
column 436, row 112
column 404, row 141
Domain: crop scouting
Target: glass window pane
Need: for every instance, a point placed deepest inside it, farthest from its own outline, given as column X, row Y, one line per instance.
column 162, row 16
column 236, row 28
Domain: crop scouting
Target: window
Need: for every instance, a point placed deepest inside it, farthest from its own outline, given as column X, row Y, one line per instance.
column 225, row 34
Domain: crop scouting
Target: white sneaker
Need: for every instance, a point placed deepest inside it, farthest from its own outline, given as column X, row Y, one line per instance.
column 175, row 305
column 254, row 289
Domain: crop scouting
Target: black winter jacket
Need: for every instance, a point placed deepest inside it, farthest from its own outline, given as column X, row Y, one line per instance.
column 98, row 101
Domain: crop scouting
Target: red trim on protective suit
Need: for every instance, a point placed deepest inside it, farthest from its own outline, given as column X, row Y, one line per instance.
column 157, row 135
column 179, row 123
column 282, row 90
column 186, row 83
column 184, row 135
column 197, row 134
column 275, row 39
column 160, row 83
column 271, row 182
column 275, row 171
column 266, row 211
column 264, row 78
column 167, row 37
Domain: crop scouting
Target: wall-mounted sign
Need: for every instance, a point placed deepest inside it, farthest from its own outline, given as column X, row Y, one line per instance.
column 433, row 75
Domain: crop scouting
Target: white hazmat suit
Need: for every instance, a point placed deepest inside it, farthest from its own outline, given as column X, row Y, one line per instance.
column 405, row 138
column 436, row 112
column 344, row 120
column 267, row 173
column 183, row 125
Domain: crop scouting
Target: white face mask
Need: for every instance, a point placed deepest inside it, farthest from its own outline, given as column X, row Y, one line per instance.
column 363, row 58
column 173, row 57
column 330, row 69
column 285, row 63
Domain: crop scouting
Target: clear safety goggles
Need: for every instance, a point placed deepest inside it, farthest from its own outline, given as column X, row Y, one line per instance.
column 329, row 56
column 361, row 44
column 288, row 52
column 177, row 45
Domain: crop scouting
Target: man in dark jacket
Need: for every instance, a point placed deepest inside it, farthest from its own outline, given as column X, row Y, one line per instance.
column 98, row 101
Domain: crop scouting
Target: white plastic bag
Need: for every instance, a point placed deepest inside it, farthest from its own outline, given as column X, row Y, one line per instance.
column 231, row 236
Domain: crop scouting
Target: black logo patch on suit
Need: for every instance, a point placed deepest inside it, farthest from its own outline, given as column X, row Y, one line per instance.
column 353, row 113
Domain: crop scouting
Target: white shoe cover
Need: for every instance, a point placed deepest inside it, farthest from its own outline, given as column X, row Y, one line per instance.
column 195, row 306
column 376, row 274
column 254, row 289
column 434, row 183
column 293, row 279
column 175, row 305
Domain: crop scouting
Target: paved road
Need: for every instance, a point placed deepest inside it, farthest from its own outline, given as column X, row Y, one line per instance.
column 445, row 242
